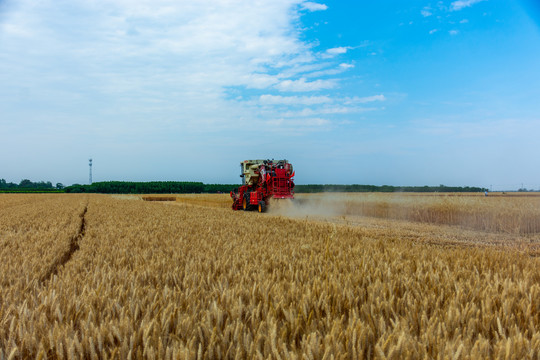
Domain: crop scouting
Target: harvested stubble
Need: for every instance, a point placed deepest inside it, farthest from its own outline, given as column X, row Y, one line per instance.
column 159, row 198
column 191, row 282
column 207, row 200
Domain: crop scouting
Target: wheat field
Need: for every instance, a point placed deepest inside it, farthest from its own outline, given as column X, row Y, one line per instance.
column 116, row 277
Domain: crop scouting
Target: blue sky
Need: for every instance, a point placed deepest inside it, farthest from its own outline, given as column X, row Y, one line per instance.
column 388, row 92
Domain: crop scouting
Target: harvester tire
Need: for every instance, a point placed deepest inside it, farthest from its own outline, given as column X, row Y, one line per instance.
column 261, row 207
column 245, row 203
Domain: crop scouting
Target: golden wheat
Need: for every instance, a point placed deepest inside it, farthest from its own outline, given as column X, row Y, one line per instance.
column 159, row 280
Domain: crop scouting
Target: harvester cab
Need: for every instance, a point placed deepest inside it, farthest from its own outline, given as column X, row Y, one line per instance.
column 262, row 180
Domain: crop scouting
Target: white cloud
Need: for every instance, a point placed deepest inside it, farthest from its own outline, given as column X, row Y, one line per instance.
column 301, row 85
column 447, row 19
column 184, row 55
column 426, row 12
column 460, row 4
column 280, row 123
column 293, row 100
column 259, row 81
column 333, row 71
column 120, row 78
column 310, row 122
column 302, row 68
column 333, row 52
column 326, row 110
column 366, row 99
column 303, row 107
column 313, row 6
column 337, row 50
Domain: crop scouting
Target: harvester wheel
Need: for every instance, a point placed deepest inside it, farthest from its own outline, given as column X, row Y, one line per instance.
column 245, row 203
column 262, row 207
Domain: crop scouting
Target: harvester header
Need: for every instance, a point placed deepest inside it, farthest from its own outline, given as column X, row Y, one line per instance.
column 262, row 180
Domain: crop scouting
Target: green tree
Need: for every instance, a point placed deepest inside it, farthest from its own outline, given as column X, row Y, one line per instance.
column 26, row 184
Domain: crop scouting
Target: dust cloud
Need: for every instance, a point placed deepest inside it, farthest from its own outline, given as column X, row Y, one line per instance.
column 512, row 215
column 325, row 205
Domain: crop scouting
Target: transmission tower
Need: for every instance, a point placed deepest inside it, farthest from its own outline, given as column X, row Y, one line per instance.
column 90, row 164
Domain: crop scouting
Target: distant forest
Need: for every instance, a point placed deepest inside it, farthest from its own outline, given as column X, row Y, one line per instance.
column 189, row 187
column 383, row 188
column 129, row 187
column 174, row 187
column 28, row 186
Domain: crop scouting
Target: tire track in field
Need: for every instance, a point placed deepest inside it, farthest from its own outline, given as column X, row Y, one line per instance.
column 73, row 247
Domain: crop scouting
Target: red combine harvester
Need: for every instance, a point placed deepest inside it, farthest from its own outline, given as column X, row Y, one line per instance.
column 262, row 180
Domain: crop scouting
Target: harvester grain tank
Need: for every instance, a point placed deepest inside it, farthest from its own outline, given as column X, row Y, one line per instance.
column 262, row 180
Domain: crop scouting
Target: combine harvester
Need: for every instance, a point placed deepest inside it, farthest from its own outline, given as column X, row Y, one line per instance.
column 262, row 180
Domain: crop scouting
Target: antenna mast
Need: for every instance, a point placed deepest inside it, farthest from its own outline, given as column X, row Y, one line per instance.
column 90, row 164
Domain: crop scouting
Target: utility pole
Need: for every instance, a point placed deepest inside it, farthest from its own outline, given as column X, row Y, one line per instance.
column 90, row 164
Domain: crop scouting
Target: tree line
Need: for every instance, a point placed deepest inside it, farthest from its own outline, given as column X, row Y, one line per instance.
column 384, row 188
column 130, row 187
column 29, row 186
column 183, row 187
column 175, row 187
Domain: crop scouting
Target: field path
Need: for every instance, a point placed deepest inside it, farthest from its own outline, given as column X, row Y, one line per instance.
column 73, row 246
